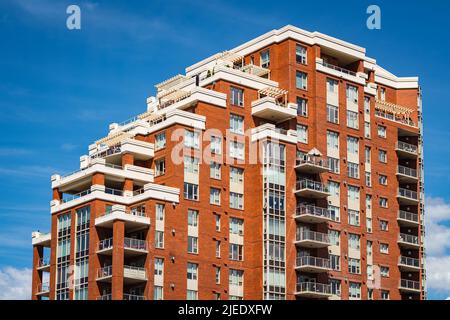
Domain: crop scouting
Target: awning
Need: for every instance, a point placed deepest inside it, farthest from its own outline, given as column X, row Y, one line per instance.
column 114, row 139
column 230, row 56
column 272, row 92
column 256, row 70
column 392, row 108
column 175, row 95
column 170, row 82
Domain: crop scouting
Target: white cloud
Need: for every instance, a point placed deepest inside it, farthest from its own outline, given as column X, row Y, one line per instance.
column 15, row 283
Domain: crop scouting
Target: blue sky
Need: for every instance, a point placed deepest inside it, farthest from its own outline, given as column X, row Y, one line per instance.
column 60, row 89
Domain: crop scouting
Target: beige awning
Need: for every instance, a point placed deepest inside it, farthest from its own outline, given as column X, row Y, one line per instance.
column 170, row 82
column 272, row 92
column 114, row 139
column 151, row 117
column 230, row 56
column 256, row 70
column 175, row 95
column 392, row 108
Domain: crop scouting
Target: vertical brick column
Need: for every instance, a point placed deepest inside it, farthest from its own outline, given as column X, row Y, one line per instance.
column 38, row 254
column 148, row 292
column 117, row 260
column 94, row 261
column 98, row 178
column 56, row 194
column 128, row 159
column 53, row 245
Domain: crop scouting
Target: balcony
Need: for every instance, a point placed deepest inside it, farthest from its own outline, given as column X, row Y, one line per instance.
column 133, row 274
column 269, row 108
column 340, row 72
column 44, row 265
column 408, row 219
column 408, row 264
column 313, row 290
column 134, row 219
column 270, row 131
column 43, row 289
column 407, row 197
column 114, row 145
column 311, row 189
column 409, row 286
column 406, row 150
column 131, row 246
column 105, row 297
column 104, row 274
column 41, row 239
column 312, row 264
column 312, row 239
column 408, row 241
column 312, row 214
column 394, row 112
column 406, row 175
column 311, row 164
column 128, row 296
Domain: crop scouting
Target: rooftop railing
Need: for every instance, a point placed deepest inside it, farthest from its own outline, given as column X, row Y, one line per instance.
column 310, row 184
column 108, row 152
column 312, row 210
column 395, row 118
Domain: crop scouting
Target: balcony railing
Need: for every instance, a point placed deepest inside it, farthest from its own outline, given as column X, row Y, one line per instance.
column 409, row 284
column 70, row 197
column 44, row 262
column 339, row 69
column 136, row 244
column 410, row 172
column 403, row 146
column 310, row 184
column 406, row 193
column 302, row 210
column 108, row 152
column 105, row 297
column 114, row 192
column 408, row 261
column 128, row 296
column 315, row 161
column 43, row 287
column 313, row 261
column 314, row 287
column 132, row 212
column 395, row 118
column 408, row 238
column 105, row 244
column 410, row 216
column 104, row 272
column 312, row 236
column 135, row 272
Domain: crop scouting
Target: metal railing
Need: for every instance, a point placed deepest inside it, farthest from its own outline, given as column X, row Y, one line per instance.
column 406, row 193
column 312, row 210
column 409, row 284
column 138, row 191
column 408, row 261
column 334, row 67
column 407, row 171
column 135, row 272
column 114, row 166
column 316, row 161
column 104, row 272
column 136, row 244
column 408, row 238
column 313, row 287
column 128, row 296
column 310, row 184
column 43, row 287
column 105, row 244
column 44, row 262
column 410, row 216
column 108, row 152
column 70, row 197
column 395, row 118
column 105, row 297
column 132, row 212
column 114, row 192
column 313, row 261
column 312, row 235
column 404, row 146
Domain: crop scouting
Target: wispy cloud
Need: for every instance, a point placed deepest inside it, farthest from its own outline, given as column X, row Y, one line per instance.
column 68, row 147
column 15, row 283
column 31, row 171
column 11, row 152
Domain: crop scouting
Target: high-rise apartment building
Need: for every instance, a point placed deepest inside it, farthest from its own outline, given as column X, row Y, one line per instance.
column 289, row 167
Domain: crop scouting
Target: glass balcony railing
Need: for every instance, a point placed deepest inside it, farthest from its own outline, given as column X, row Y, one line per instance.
column 105, row 244
column 71, row 197
column 43, row 287
column 104, row 272
column 312, row 185
column 44, row 262
column 313, row 262
column 408, row 238
column 315, row 161
column 128, row 296
column 312, row 236
column 313, row 287
column 302, row 210
column 105, row 297
column 409, row 284
column 404, row 146
column 136, row 244
column 406, row 193
column 410, row 172
column 336, row 68
column 408, row 261
column 410, row 216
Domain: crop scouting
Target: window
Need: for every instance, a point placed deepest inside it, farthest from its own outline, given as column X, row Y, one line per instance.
column 335, row 287
column 369, row 224
column 191, row 295
column 302, row 133
column 217, row 220
column 353, row 170
column 190, row 191
column 368, row 177
column 302, row 107
column 334, row 213
column 369, row 270
column 159, row 212
column 236, row 252
column 382, row 179
column 352, row 145
column 332, row 114
column 335, row 262
column 217, row 248
column 236, row 175
column 332, row 140
column 237, row 97
column 368, row 202
column 236, row 200
column 334, row 236
column 301, row 80
column 236, row 124
column 215, row 170
column 383, row 202
column 158, row 293
column 384, row 271
column 334, row 188
column 367, row 155
column 301, row 54
column 191, row 165
column 217, row 275
column 354, row 265
column 192, row 218
column 160, row 141
column 237, row 150
column 191, row 139
column 236, row 226
column 159, row 267
column 382, row 94
column 352, row 94
column 265, row 58
column 353, row 217
column 160, row 167
column 192, row 269
column 367, row 130
column 159, row 239
column 384, row 248
column 385, row 295
column 352, row 119
column 367, row 105
column 369, row 248
column 216, row 145
column 354, row 290
column 333, row 164
column 214, row 196
column 192, row 244
column 236, row 277
column 332, row 85
column 381, row 131
column 369, row 294
column 353, row 193
column 353, row 241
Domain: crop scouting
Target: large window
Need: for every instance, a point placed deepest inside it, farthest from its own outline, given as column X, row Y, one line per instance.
column 265, row 58
column 352, row 94
column 301, row 54
column 191, row 139
column 353, row 217
column 214, row 196
column 237, row 96
column 302, row 133
column 158, row 293
column 236, row 277
column 236, row 124
column 334, row 213
column 236, row 252
column 215, row 170
column 354, row 289
column 333, row 164
column 352, row 145
column 302, row 107
column 334, row 236
column 353, row 193
column 192, row 244
column 191, row 165
column 160, row 141
column 332, row 114
column 236, row 175
column 354, row 265
column 236, row 226
column 353, row 241
column 82, row 253
column 216, row 145
column 159, row 212
column 192, row 218
column 334, row 188
column 332, row 140
column 335, row 262
column 192, row 270
column 236, row 201
column 237, row 150
column 159, row 239
column 63, row 256
column 382, row 156
column 352, row 119
column 332, row 85
column 190, row 191
column 160, row 167
column 159, row 266
column 353, row 170
column 301, row 80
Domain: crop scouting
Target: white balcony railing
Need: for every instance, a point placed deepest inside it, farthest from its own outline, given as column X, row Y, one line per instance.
column 312, row 185
column 410, row 216
column 313, row 262
column 409, row 284
column 302, row 210
column 407, row 147
column 408, row 238
column 408, row 261
column 410, row 172
column 104, row 272
column 336, row 68
column 134, row 272
column 135, row 244
column 71, row 197
column 307, row 235
column 314, row 287
column 406, row 193
column 128, row 296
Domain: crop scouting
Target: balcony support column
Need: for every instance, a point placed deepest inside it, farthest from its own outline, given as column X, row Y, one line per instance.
column 98, row 178
column 57, row 195
column 38, row 254
column 127, row 158
column 117, row 260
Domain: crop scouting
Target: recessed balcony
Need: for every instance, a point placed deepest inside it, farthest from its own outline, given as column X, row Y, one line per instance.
column 104, row 274
column 406, row 175
column 271, row 109
column 406, row 218
column 312, row 214
column 406, row 150
column 44, row 265
column 313, row 290
column 312, row 264
column 115, row 145
column 311, row 165
column 133, row 219
column 408, row 264
column 409, row 286
column 132, row 274
column 407, row 197
column 408, row 241
column 43, row 289
column 312, row 239
column 311, row 189
column 128, row 296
